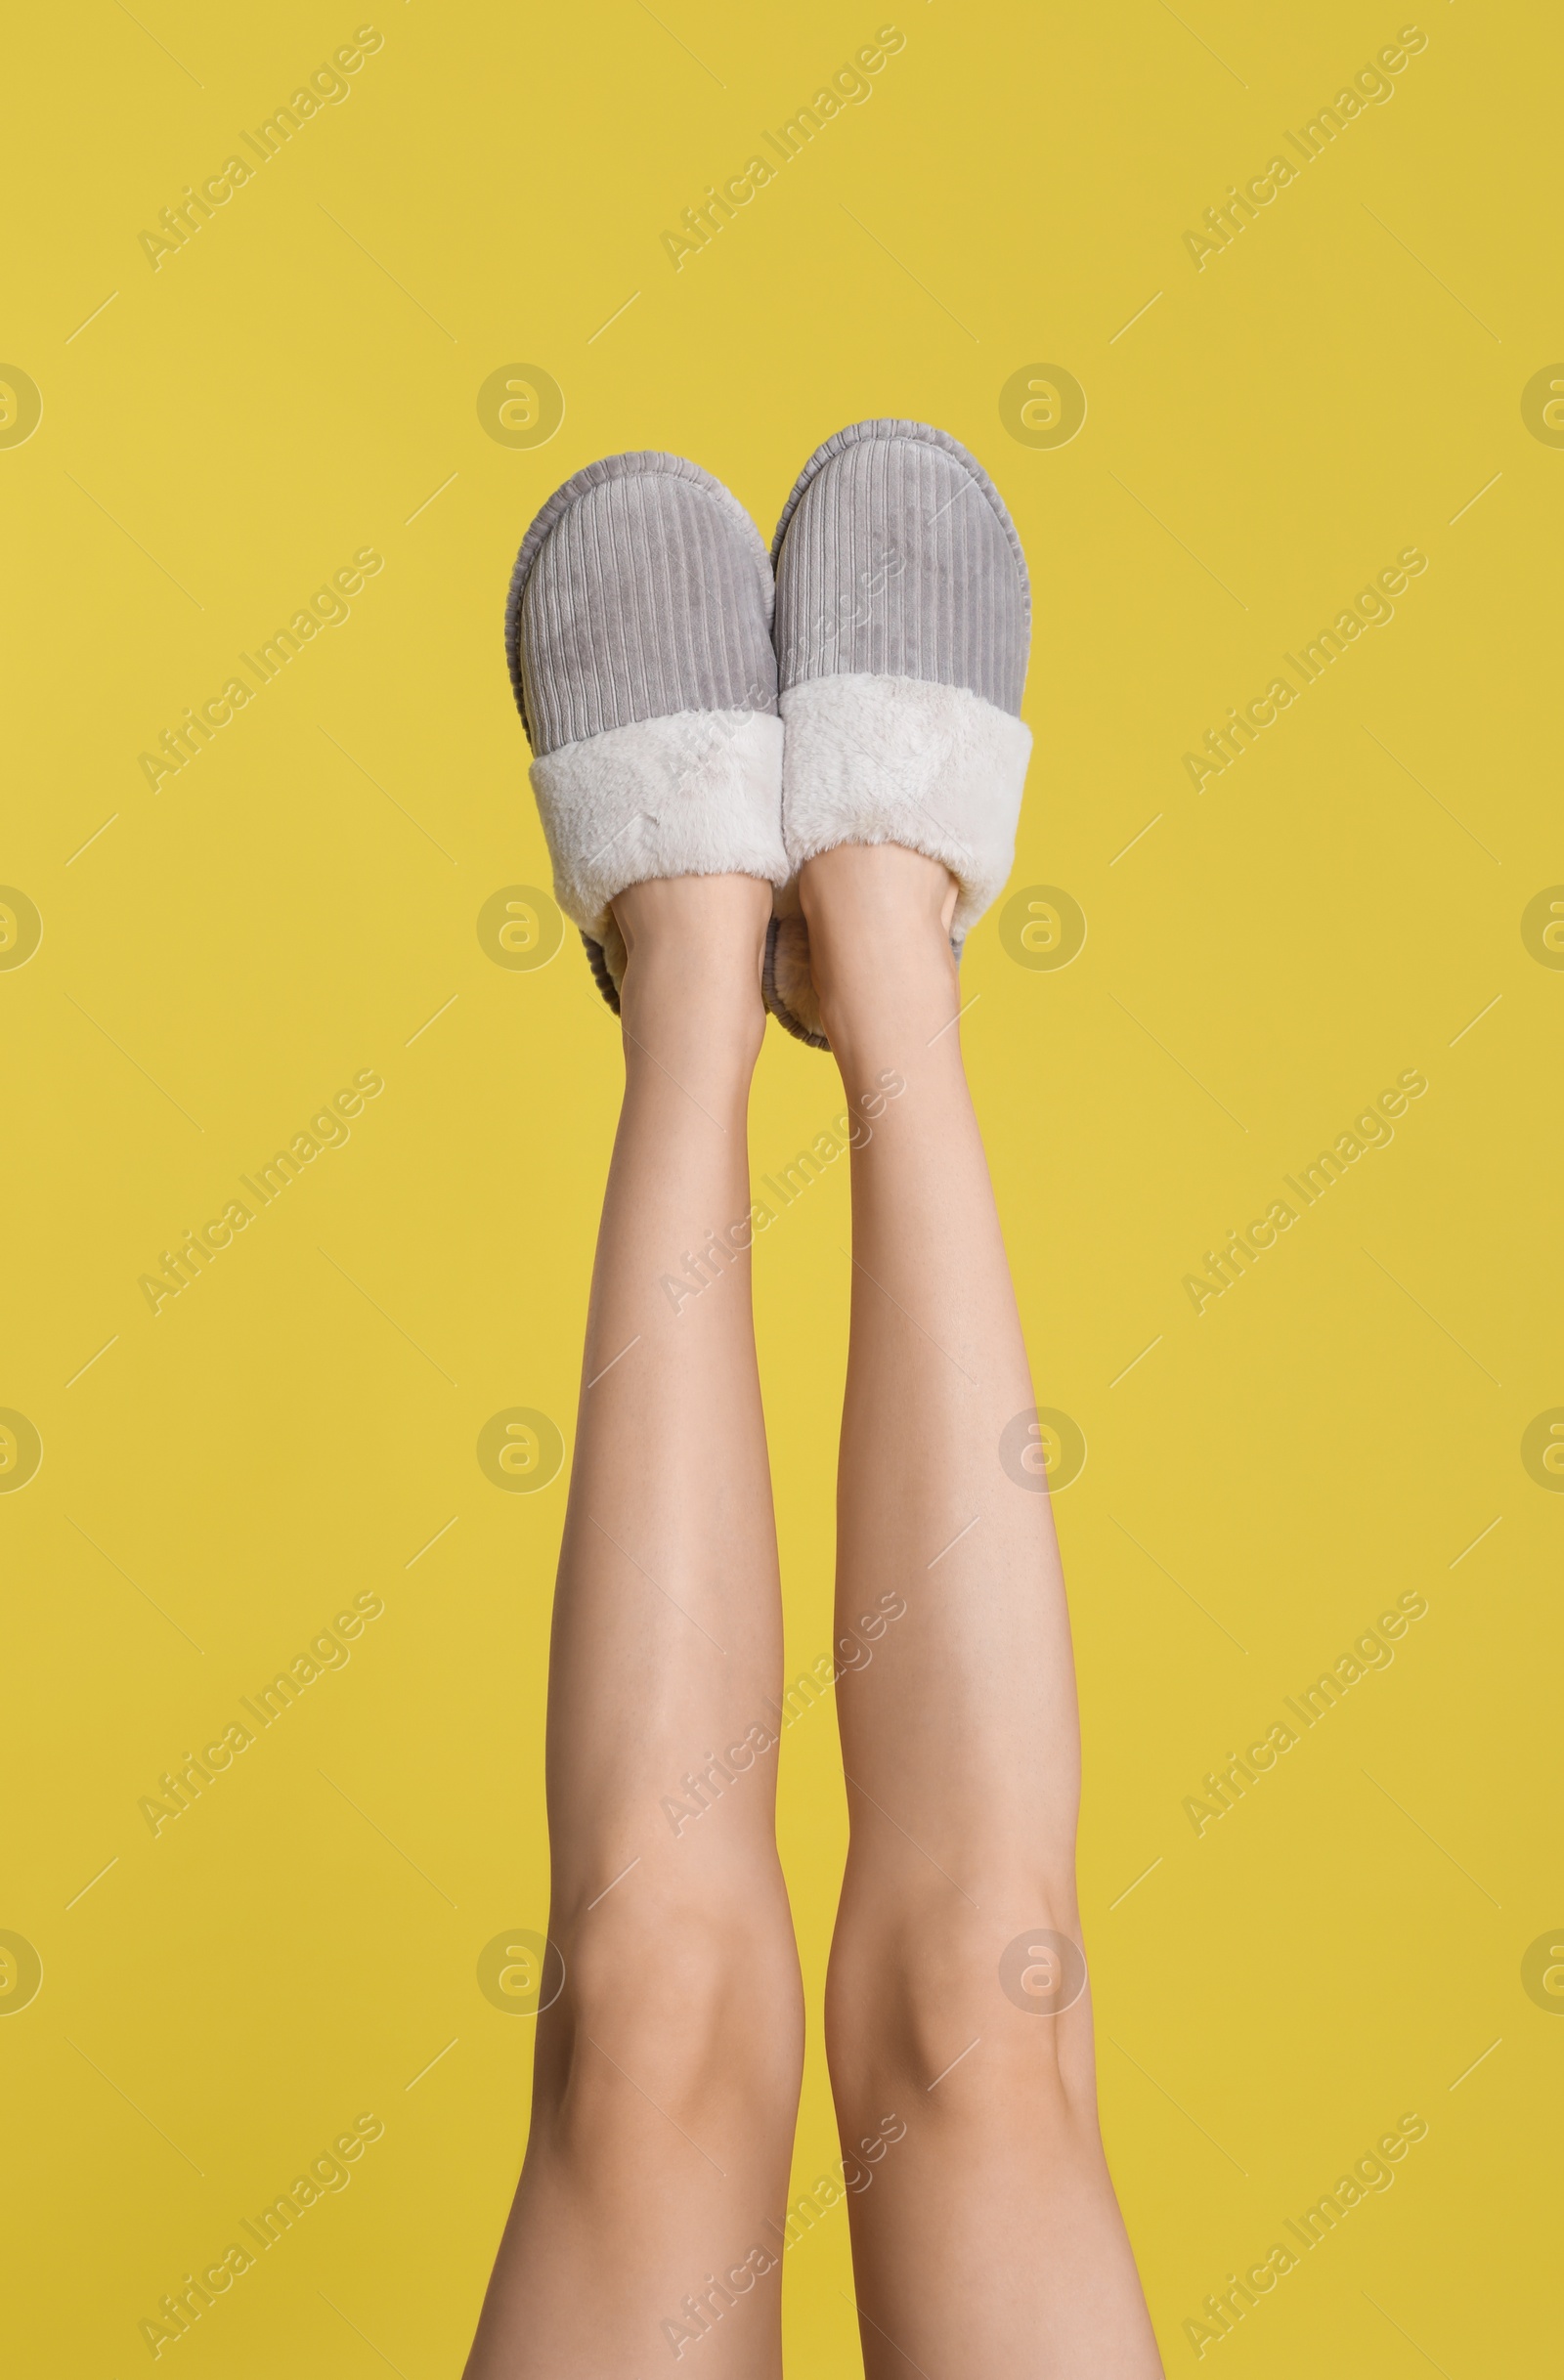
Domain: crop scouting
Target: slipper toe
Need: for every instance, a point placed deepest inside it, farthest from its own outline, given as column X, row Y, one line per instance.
column 637, row 634
column 902, row 627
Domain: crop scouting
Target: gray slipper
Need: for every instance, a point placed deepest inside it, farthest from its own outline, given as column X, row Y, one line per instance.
column 902, row 623
column 639, row 636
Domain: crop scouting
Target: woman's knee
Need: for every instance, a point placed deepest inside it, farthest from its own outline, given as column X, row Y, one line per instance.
column 922, row 1983
column 692, row 2001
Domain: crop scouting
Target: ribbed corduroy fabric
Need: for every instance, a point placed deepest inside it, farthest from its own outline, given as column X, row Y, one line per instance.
column 641, row 591
column 896, row 558
column 638, row 639
column 902, row 623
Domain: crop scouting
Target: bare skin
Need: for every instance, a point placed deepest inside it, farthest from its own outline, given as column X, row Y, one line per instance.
column 987, row 2237
column 668, row 2071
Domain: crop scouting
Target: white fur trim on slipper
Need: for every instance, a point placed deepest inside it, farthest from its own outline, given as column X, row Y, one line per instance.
column 696, row 794
column 900, row 759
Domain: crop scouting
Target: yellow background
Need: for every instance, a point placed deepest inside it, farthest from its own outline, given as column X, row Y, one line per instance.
column 293, row 386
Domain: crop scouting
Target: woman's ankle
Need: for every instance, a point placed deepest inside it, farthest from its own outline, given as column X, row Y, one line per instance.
column 879, row 919
column 694, row 947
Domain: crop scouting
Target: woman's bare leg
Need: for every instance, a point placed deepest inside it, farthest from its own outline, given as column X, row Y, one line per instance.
column 668, row 2070
column 989, row 2239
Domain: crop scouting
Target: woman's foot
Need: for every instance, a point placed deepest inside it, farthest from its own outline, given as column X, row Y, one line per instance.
column 638, row 635
column 901, row 628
